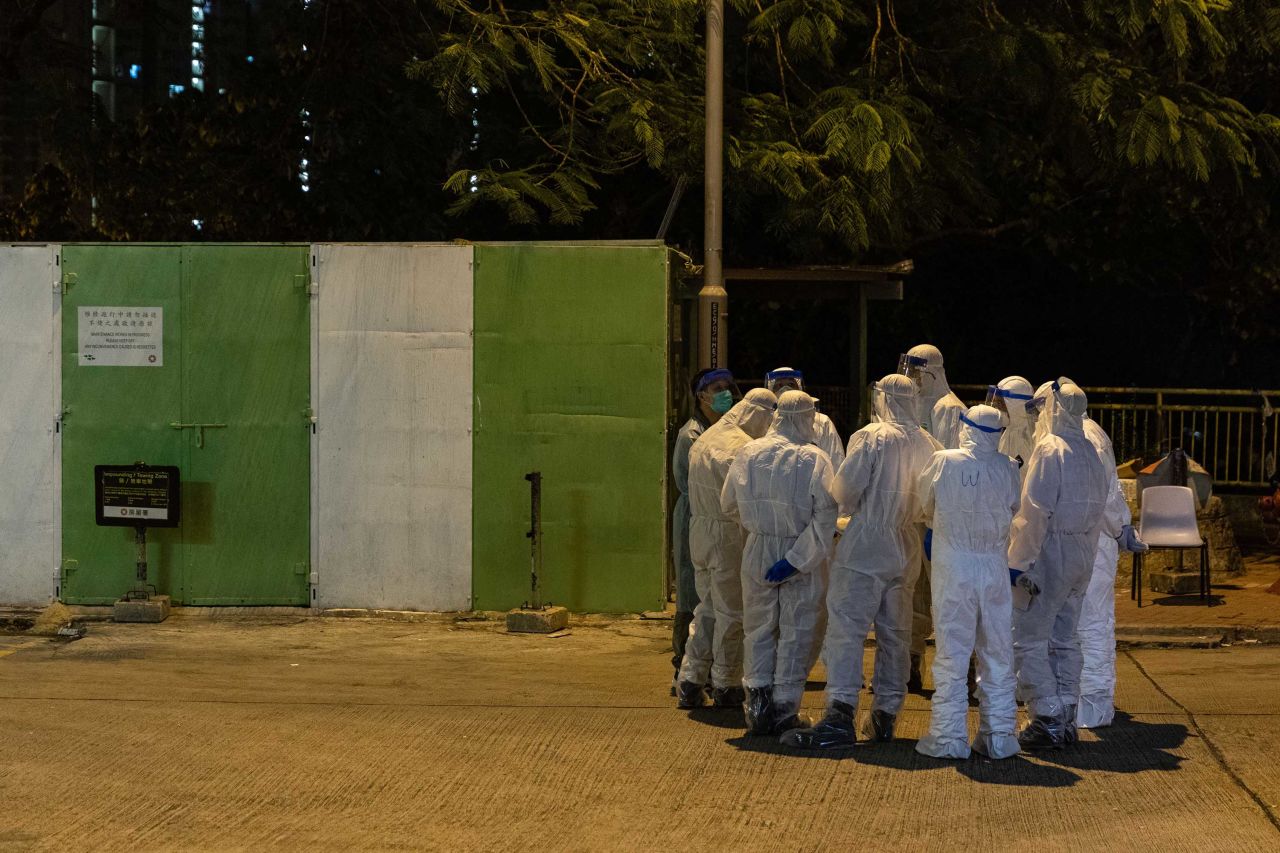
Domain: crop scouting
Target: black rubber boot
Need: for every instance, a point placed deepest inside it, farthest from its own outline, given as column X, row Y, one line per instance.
column 690, row 695
column 835, row 731
column 880, row 725
column 728, row 697
column 915, row 681
column 760, row 710
column 1042, row 733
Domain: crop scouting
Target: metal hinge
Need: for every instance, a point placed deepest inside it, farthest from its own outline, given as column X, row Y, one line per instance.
column 62, row 285
column 69, row 566
column 59, row 419
column 310, row 415
column 302, row 568
column 307, row 283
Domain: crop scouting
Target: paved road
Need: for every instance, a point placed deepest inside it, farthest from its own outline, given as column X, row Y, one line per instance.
column 337, row 734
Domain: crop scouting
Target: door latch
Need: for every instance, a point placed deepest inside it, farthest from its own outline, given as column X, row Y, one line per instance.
column 199, row 428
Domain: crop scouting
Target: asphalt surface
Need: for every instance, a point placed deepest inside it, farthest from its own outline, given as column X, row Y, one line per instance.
column 299, row 732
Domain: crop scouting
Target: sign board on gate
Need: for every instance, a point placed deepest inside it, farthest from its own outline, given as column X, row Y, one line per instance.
column 138, row 495
column 121, row 336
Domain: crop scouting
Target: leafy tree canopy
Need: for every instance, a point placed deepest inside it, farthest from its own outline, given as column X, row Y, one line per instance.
column 1128, row 149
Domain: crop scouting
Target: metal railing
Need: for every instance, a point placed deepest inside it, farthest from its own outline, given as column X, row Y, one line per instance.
column 1233, row 434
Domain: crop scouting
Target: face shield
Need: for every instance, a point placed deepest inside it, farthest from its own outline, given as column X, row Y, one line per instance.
column 1001, row 399
column 913, row 367
column 784, row 379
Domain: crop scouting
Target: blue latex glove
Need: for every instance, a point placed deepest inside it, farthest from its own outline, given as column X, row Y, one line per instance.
column 1018, row 577
column 928, row 543
column 780, row 571
column 1130, row 542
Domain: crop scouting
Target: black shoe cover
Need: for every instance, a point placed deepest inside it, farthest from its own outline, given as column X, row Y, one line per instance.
column 836, row 731
column 760, row 711
column 790, row 722
column 1070, row 734
column 728, row 697
column 915, row 681
column 882, row 723
column 690, row 696
column 1042, row 733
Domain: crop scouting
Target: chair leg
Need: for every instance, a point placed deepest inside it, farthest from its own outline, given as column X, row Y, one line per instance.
column 1206, row 581
column 1137, row 577
column 1133, row 579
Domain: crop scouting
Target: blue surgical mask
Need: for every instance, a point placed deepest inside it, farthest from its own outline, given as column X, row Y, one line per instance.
column 721, row 402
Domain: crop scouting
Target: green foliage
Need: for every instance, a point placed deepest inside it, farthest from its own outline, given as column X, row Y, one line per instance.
column 1134, row 142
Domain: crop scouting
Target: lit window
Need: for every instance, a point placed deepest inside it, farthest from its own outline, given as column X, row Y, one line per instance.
column 248, row 59
column 134, row 71
column 176, row 89
column 197, row 84
column 197, row 224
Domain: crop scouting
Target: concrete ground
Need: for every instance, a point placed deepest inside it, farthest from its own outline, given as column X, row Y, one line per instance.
column 295, row 732
column 1243, row 606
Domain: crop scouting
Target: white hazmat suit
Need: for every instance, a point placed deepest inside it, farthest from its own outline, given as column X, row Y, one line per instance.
column 871, row 574
column 778, row 487
column 1097, row 626
column 939, row 411
column 1053, row 539
column 968, row 496
column 715, row 546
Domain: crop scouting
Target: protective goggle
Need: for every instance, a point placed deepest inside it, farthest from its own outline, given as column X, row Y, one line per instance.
column 998, row 398
column 965, row 420
column 912, row 366
column 778, row 381
column 1035, row 405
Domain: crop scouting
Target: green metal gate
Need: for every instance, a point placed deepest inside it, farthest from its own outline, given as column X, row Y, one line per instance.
column 227, row 401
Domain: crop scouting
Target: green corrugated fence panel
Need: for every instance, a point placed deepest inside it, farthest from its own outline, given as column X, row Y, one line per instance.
column 570, row 380
column 236, row 352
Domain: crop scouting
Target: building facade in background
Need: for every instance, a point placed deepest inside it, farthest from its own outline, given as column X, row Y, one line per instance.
column 68, row 66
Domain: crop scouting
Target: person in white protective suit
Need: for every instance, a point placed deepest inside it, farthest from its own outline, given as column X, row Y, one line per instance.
column 1097, row 626
column 939, row 411
column 826, row 435
column 968, row 497
column 715, row 546
column 1011, row 396
column 778, row 487
column 871, row 572
column 713, row 393
column 828, row 439
column 1051, row 550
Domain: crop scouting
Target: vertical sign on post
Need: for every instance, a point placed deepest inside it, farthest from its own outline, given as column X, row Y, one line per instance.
column 138, row 496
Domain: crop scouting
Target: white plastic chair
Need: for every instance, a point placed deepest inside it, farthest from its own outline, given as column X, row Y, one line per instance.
column 1169, row 524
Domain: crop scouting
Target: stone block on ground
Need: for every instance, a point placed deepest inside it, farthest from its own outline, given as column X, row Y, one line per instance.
column 154, row 609
column 547, row 620
column 1175, row 583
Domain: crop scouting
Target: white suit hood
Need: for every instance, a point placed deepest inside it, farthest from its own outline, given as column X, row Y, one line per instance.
column 975, row 436
column 933, row 378
column 895, row 401
column 753, row 413
column 795, row 418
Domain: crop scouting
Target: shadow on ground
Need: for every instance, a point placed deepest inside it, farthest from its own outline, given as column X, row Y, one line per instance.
column 1127, row 746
